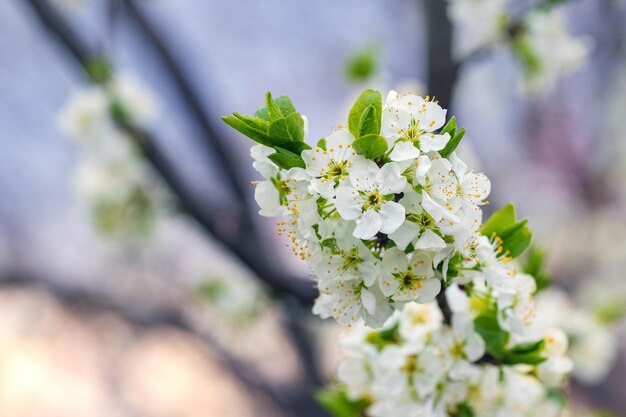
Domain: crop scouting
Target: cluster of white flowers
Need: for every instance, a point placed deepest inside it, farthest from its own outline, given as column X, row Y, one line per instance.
column 592, row 346
column 377, row 233
column 539, row 39
column 111, row 177
column 389, row 219
column 418, row 366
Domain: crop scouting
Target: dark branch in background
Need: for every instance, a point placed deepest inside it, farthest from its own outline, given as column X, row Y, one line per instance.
column 83, row 299
column 442, row 302
column 442, row 70
column 247, row 253
column 247, row 250
column 228, row 164
column 224, row 156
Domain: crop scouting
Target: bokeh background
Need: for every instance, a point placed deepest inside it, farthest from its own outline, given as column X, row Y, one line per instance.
column 92, row 326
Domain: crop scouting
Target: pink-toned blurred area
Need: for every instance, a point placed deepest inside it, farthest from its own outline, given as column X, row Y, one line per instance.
column 92, row 328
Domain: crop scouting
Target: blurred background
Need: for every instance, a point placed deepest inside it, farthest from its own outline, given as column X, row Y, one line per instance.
column 180, row 319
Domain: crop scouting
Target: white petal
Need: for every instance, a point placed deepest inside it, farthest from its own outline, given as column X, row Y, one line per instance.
column 348, row 203
column 431, row 142
column 368, row 226
column 430, row 289
column 390, row 180
column 423, row 166
column 429, row 240
column 369, row 301
column 392, row 216
column 337, row 145
column 363, row 174
column 266, row 168
column 405, row 234
column 436, row 210
column 474, row 347
column 403, row 151
column 268, row 199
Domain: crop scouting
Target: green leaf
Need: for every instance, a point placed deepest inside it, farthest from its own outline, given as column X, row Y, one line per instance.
column 450, row 127
column 296, row 146
column 363, row 64
column 452, row 144
column 321, row 143
column 369, row 124
column 499, row 220
column 370, row 146
column 367, row 98
column 515, row 235
column 495, row 338
column 534, row 265
column 529, row 353
column 285, row 105
column 295, row 126
column 273, row 110
column 286, row 159
column 338, row 403
column 516, row 239
column 249, row 127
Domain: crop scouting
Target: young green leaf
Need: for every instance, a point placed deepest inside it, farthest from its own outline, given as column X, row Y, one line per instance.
column 272, row 109
column 367, row 98
column 321, row 143
column 369, row 124
column 370, row 146
column 516, row 239
column 286, row 159
column 450, row 127
column 452, row 144
column 499, row 220
column 249, row 127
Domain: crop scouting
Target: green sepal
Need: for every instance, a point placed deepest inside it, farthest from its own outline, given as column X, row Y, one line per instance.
column 367, row 98
column 321, row 143
column 370, row 146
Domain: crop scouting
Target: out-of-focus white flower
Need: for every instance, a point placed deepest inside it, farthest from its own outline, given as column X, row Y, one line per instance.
column 139, row 101
column 111, row 179
column 547, row 50
column 479, row 23
column 592, row 347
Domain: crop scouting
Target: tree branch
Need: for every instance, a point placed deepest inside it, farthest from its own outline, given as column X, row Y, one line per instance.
column 225, row 156
column 243, row 249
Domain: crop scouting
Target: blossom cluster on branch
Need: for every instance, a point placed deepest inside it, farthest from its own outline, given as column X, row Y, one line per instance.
column 538, row 38
column 388, row 218
column 112, row 179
